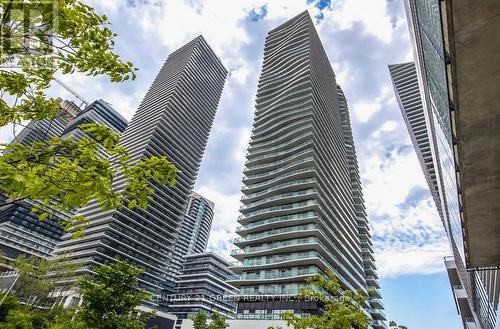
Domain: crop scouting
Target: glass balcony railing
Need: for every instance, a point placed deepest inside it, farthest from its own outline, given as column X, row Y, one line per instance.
column 281, row 274
column 274, row 163
column 275, row 154
column 277, row 208
column 378, row 312
column 292, row 229
column 275, row 245
column 278, row 259
column 279, row 197
column 378, row 324
column 281, row 129
column 253, row 316
column 305, row 215
column 279, row 186
column 273, row 172
column 280, row 138
column 252, row 151
column 377, row 301
column 267, row 182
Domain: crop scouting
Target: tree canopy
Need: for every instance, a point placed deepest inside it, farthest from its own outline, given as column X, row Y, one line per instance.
column 109, row 298
column 217, row 321
column 341, row 309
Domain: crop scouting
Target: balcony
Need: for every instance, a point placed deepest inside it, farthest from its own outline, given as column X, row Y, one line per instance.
column 291, row 196
column 291, row 142
column 291, row 259
column 371, row 281
column 378, row 314
column 470, row 323
column 276, row 163
column 308, row 216
column 273, row 172
column 283, row 246
column 286, row 209
column 257, row 160
column 290, row 230
column 302, row 173
column 377, row 324
column 280, row 276
column 376, row 302
column 308, row 182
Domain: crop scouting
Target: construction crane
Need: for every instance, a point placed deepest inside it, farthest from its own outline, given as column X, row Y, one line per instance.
column 74, row 93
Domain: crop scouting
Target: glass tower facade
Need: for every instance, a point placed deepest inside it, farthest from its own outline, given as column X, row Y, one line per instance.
column 194, row 231
column 302, row 209
column 202, row 287
column 21, row 232
column 476, row 291
column 173, row 120
column 405, row 83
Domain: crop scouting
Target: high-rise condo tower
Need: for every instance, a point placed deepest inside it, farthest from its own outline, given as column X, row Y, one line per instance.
column 302, row 209
column 173, row 120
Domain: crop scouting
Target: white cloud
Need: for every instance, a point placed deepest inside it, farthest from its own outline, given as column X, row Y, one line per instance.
column 372, row 14
column 400, row 259
column 6, row 134
column 408, row 234
column 364, row 110
column 410, row 241
column 386, row 127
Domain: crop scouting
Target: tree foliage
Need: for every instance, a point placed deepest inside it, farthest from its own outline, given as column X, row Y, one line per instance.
column 63, row 174
column 341, row 309
column 217, row 321
column 66, row 36
column 110, row 297
column 37, row 277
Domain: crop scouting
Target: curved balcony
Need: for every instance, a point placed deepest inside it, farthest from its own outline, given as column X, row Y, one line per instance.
column 300, row 131
column 289, row 276
column 287, row 197
column 260, row 116
column 311, row 258
column 285, row 122
column 297, row 88
column 290, row 232
column 300, row 173
column 249, row 180
column 280, row 119
column 257, row 169
column 274, row 247
column 276, row 222
column 303, row 183
column 286, row 209
column 281, row 129
column 271, row 156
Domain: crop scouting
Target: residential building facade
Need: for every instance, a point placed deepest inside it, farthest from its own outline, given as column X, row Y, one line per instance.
column 405, row 83
column 202, row 287
column 173, row 120
column 194, row 231
column 302, row 211
column 21, row 231
column 460, row 107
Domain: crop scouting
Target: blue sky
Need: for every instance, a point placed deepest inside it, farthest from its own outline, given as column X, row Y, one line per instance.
column 361, row 38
